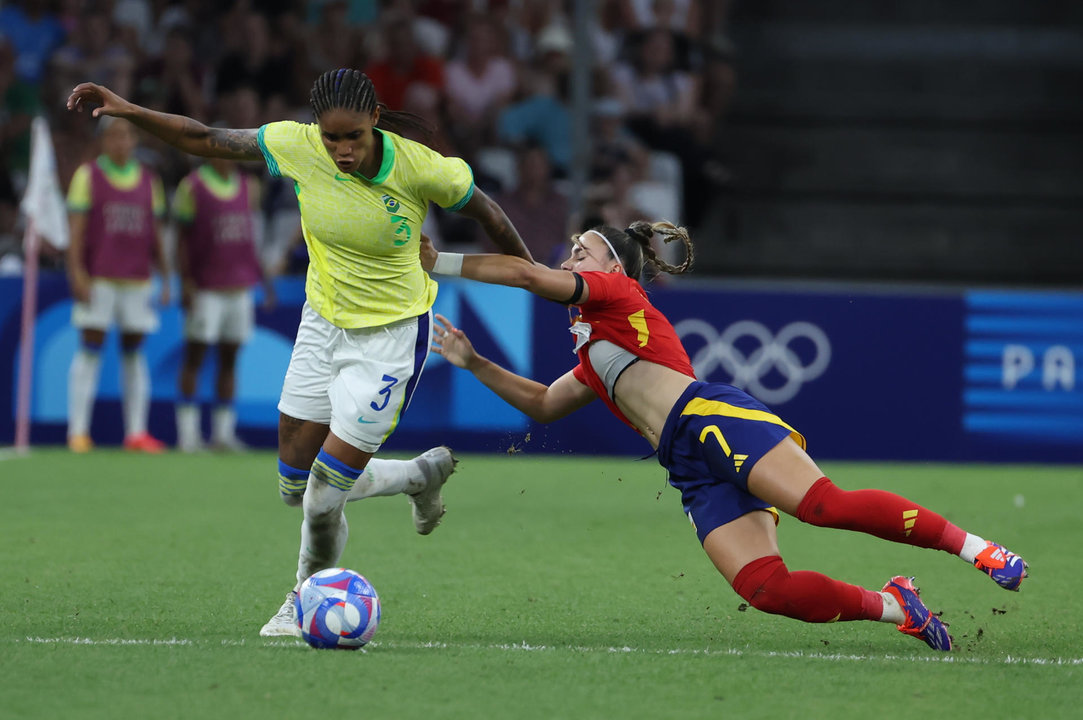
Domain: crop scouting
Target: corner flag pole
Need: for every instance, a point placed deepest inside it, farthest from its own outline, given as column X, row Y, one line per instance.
column 26, row 339
column 46, row 220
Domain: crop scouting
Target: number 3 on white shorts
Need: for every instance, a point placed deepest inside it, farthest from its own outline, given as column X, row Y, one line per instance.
column 385, row 391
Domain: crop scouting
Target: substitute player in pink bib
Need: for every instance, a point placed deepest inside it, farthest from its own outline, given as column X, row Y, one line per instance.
column 115, row 207
column 218, row 264
column 736, row 463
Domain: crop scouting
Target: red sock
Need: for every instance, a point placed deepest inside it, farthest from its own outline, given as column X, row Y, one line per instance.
column 769, row 586
column 879, row 513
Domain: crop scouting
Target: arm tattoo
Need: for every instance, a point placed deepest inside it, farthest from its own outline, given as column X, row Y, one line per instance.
column 234, row 144
column 500, row 230
column 504, row 234
column 496, row 224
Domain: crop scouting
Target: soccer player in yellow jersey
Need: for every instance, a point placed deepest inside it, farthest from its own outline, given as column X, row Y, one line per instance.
column 366, row 327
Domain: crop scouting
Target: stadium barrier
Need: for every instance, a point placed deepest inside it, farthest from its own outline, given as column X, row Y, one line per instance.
column 864, row 373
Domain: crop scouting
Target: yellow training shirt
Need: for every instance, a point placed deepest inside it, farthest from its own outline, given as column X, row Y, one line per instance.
column 363, row 233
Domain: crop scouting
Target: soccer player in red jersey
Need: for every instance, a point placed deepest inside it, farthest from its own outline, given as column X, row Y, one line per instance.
column 736, row 463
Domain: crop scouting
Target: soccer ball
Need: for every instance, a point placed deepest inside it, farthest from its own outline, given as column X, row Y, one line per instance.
column 338, row 609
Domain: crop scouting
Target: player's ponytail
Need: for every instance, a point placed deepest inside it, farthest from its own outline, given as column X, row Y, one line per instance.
column 353, row 90
column 634, row 250
column 644, row 231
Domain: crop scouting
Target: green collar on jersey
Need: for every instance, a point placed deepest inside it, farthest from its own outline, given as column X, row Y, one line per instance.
column 386, row 164
column 222, row 186
column 118, row 172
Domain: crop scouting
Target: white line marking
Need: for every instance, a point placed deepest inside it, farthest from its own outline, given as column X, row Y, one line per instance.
column 526, row 647
column 13, row 454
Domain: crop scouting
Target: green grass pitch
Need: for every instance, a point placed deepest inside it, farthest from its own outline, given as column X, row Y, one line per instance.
column 566, row 587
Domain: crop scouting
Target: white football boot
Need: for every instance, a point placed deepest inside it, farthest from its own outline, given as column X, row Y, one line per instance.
column 230, row 443
column 224, row 431
column 427, row 504
column 284, row 622
column 188, row 433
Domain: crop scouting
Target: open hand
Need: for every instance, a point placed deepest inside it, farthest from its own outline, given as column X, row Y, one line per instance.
column 452, row 343
column 86, row 94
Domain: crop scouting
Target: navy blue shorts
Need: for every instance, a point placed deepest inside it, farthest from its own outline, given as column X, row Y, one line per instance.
column 713, row 436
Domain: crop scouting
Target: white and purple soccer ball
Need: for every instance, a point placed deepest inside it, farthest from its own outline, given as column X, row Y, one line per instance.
column 337, row 609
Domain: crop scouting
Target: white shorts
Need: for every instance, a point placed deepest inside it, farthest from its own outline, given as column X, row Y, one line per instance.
column 358, row 381
column 126, row 303
column 220, row 316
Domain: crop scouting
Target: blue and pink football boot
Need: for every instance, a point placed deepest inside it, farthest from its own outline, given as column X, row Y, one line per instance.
column 920, row 621
column 1005, row 567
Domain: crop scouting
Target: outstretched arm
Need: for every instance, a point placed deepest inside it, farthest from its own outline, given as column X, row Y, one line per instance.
column 542, row 403
column 497, row 226
column 180, row 131
column 559, row 285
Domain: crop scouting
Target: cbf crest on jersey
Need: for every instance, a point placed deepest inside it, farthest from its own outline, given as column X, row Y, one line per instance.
column 403, row 231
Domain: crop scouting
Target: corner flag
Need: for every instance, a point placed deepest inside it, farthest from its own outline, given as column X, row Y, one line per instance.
column 43, row 202
column 43, row 205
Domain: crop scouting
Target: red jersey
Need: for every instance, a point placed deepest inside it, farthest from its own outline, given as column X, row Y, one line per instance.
column 618, row 311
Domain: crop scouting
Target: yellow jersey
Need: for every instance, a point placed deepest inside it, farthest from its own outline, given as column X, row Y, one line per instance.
column 363, row 233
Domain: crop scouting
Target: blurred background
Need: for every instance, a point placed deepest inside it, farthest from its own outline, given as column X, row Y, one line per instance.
column 886, row 198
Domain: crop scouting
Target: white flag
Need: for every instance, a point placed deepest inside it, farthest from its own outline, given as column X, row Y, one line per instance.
column 43, row 201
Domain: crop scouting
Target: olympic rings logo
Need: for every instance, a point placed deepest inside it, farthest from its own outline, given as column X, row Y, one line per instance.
column 773, row 353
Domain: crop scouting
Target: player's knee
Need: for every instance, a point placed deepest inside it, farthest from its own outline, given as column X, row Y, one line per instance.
column 131, row 342
column 769, row 586
column 817, row 507
column 763, row 584
column 92, row 340
column 92, row 345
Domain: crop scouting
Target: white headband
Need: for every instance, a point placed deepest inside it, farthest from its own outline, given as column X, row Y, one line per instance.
column 607, row 244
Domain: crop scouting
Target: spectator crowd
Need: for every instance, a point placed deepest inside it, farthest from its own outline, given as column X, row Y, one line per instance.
column 491, row 77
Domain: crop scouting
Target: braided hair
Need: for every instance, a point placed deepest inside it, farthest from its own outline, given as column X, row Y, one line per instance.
column 634, row 250
column 353, row 90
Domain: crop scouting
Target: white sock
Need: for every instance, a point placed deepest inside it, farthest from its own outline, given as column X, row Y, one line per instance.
column 224, row 423
column 188, row 431
column 82, row 389
column 324, row 529
column 136, row 393
column 893, row 612
column 971, row 547
column 387, row 477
